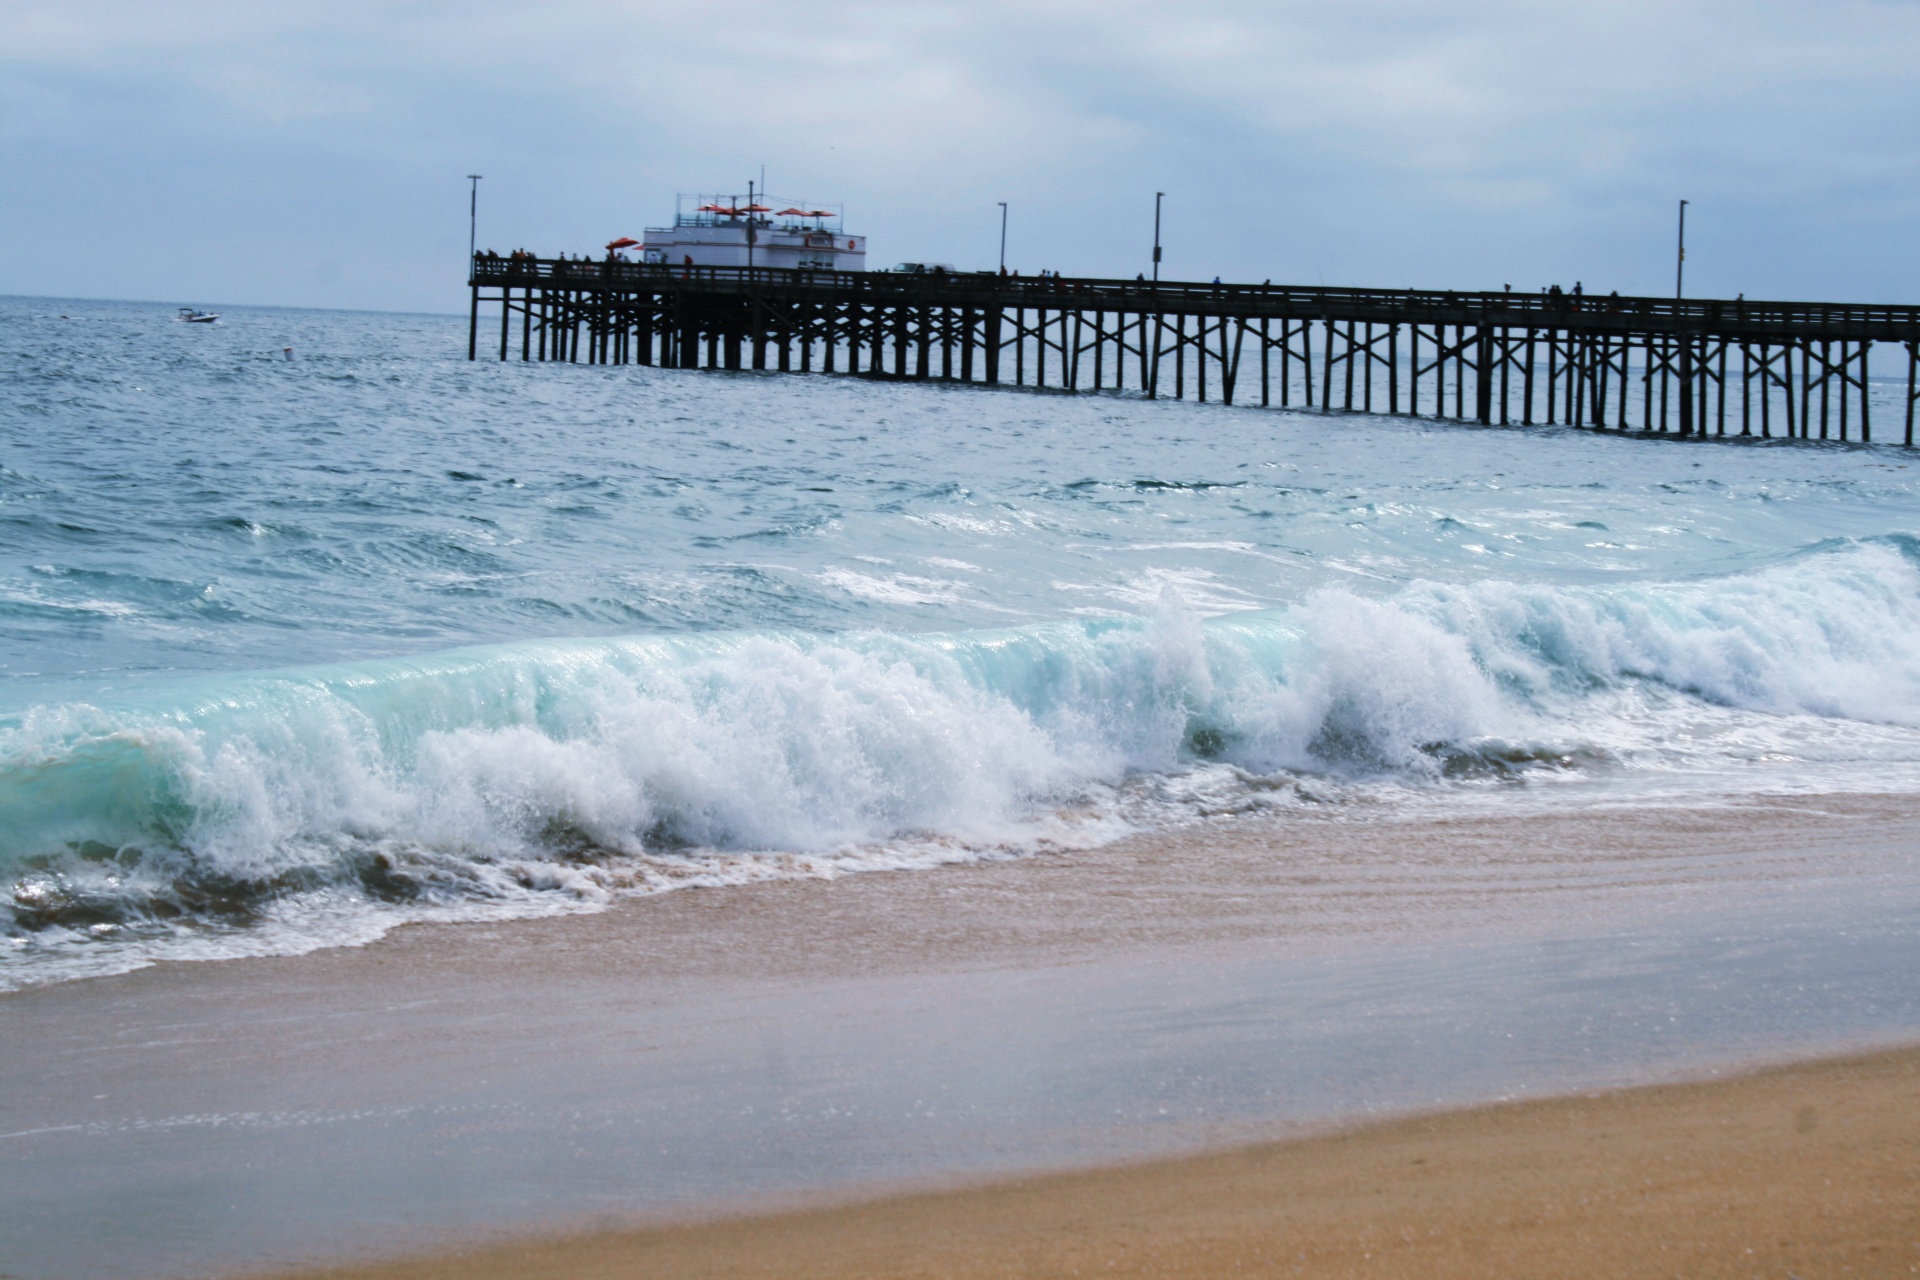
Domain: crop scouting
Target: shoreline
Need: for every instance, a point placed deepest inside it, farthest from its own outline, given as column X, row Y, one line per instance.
column 1809, row 1168
column 798, row 1042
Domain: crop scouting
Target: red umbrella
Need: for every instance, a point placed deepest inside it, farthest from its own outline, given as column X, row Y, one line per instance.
column 795, row 213
column 716, row 208
column 624, row 242
column 756, row 208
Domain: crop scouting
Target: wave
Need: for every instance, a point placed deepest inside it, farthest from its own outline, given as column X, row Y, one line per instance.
column 328, row 802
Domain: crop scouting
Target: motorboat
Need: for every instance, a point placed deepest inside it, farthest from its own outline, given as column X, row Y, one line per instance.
column 191, row 316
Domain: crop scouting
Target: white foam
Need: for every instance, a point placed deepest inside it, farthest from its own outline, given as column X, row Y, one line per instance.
column 556, row 775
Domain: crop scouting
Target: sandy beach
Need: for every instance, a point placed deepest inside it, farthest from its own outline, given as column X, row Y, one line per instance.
column 1806, row 1170
column 974, row 1034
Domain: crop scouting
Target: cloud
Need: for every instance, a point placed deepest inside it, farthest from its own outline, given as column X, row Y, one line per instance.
column 1377, row 141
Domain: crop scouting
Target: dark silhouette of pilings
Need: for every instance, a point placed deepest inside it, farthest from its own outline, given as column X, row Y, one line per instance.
column 1693, row 367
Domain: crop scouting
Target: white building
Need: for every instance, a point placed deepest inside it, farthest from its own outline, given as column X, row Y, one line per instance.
column 725, row 231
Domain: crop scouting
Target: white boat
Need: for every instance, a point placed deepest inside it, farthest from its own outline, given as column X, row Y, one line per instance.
column 191, row 316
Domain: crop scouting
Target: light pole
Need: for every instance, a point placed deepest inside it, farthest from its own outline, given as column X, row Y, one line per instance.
column 1003, row 237
column 473, row 280
column 1680, row 262
column 1158, row 196
column 473, row 217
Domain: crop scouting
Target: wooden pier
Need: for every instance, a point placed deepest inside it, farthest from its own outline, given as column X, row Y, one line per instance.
column 1693, row 367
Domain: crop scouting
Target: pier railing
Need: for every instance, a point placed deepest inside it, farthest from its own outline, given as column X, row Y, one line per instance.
column 1692, row 366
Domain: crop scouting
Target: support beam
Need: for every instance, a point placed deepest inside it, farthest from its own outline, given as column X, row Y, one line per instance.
column 1796, row 360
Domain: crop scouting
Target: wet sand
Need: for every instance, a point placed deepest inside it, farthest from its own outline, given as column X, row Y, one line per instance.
column 1808, row 1170
column 1298, row 878
column 729, row 1051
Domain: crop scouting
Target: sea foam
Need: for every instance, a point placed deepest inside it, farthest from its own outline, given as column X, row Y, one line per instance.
column 322, row 804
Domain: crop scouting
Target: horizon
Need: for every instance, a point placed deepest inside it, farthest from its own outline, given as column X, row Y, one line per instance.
column 1170, row 281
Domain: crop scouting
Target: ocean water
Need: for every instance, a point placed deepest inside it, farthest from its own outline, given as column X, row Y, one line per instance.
column 294, row 651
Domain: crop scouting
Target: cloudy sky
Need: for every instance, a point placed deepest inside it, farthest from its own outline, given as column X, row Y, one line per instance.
column 286, row 152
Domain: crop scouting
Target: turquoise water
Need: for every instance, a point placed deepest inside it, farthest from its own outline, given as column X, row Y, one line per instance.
column 291, row 651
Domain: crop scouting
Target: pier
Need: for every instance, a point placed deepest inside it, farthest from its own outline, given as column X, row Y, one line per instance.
column 1690, row 367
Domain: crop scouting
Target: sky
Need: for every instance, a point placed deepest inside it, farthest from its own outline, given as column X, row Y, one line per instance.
column 202, row 152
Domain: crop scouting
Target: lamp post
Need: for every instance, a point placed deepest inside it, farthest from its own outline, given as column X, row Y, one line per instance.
column 1003, row 237
column 750, row 203
column 1680, row 262
column 473, row 307
column 1684, row 339
column 1158, row 196
column 473, row 217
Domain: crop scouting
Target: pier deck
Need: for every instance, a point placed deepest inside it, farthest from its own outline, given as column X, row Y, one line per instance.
column 1692, row 367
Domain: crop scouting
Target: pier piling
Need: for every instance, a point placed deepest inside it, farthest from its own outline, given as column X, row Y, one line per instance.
column 1530, row 358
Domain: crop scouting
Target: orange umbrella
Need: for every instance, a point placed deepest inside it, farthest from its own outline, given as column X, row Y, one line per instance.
column 624, row 242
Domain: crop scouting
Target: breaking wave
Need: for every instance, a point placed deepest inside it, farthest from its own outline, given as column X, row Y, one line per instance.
column 289, row 810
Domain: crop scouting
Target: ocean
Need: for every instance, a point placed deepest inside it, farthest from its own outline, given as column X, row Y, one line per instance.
column 800, row 786
column 293, row 651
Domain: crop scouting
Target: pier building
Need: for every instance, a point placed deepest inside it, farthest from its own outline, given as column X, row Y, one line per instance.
column 758, row 231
